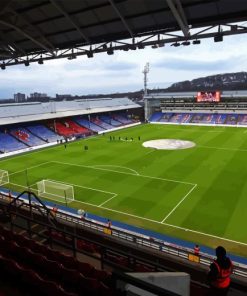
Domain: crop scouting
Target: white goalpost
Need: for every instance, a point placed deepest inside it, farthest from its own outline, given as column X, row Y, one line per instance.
column 4, row 177
column 55, row 190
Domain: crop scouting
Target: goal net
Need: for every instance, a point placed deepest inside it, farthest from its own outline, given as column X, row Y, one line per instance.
column 57, row 191
column 4, row 177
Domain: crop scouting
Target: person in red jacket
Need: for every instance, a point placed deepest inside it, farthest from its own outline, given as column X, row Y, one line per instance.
column 219, row 274
column 196, row 250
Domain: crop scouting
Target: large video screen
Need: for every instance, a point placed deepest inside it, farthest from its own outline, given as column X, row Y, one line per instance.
column 210, row 96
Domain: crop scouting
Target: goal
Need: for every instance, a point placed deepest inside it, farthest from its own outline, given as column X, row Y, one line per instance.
column 55, row 190
column 4, row 177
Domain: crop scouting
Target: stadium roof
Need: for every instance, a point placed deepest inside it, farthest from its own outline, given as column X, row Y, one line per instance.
column 35, row 30
column 16, row 113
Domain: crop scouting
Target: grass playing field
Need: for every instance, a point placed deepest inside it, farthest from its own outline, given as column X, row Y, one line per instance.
column 197, row 194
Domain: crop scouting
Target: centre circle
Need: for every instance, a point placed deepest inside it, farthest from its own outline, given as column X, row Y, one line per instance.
column 169, row 144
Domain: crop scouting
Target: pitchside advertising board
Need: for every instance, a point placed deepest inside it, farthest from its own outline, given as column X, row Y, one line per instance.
column 208, row 96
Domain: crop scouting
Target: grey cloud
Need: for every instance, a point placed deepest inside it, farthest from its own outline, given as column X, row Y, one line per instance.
column 103, row 66
column 199, row 65
column 118, row 66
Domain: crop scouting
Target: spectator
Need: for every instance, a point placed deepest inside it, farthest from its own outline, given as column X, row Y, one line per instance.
column 196, row 250
column 109, row 223
column 219, row 274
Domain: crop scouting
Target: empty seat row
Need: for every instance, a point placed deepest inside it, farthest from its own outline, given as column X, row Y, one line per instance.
column 23, row 246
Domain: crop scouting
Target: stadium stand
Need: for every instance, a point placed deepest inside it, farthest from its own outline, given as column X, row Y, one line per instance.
column 88, row 124
column 187, row 108
column 110, row 120
column 9, row 143
column 61, row 129
column 76, row 128
column 26, row 137
column 43, row 132
column 122, row 118
column 156, row 117
column 96, row 120
column 29, row 125
column 200, row 118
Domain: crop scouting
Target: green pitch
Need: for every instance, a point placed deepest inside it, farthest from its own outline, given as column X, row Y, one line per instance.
column 197, row 194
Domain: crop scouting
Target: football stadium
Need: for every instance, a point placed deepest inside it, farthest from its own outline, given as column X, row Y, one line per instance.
column 111, row 196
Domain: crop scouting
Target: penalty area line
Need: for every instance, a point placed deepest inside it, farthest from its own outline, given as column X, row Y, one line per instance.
column 174, row 226
column 179, row 203
column 157, row 222
column 30, row 168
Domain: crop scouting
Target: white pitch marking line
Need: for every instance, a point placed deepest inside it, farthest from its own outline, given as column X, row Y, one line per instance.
column 143, row 176
column 222, row 148
column 32, row 167
column 75, row 185
column 131, row 215
column 174, row 226
column 168, row 215
column 151, row 151
column 107, row 200
column 117, row 166
column 204, row 234
column 17, row 185
column 157, row 222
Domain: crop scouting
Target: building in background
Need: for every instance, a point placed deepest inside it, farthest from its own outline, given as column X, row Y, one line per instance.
column 19, row 97
column 64, row 97
column 38, row 97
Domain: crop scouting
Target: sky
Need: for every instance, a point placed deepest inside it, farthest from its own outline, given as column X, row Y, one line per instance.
column 122, row 72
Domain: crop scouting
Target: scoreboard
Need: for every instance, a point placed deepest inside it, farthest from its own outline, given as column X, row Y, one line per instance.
column 210, row 96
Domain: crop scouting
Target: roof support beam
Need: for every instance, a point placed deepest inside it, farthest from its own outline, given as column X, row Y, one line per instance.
column 34, row 28
column 68, row 17
column 22, row 32
column 5, row 6
column 5, row 41
column 121, row 17
column 178, row 13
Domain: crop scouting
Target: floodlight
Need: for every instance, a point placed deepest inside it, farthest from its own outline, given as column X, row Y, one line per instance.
column 132, row 46
column 40, row 61
column 140, row 46
column 90, row 54
column 186, row 43
column 218, row 38
column 110, row 51
column 72, row 57
column 176, row 44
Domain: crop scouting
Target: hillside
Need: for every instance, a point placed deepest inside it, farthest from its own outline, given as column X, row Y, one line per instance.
column 227, row 81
